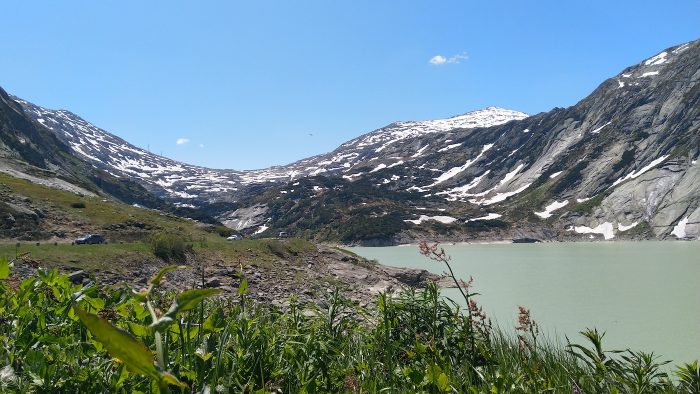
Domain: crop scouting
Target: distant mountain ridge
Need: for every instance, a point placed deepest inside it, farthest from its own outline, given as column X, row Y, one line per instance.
column 621, row 163
column 182, row 182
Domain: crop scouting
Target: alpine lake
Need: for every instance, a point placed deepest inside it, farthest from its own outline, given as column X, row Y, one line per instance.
column 643, row 295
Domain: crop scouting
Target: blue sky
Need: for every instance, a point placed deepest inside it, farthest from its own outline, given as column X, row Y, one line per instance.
column 257, row 83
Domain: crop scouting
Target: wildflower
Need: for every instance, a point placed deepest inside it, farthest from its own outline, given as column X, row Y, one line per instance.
column 528, row 330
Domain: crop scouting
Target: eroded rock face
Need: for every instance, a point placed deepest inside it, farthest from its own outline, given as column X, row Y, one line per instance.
column 245, row 218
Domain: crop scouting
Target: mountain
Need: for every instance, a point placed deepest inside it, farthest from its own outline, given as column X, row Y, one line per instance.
column 187, row 183
column 621, row 163
column 34, row 153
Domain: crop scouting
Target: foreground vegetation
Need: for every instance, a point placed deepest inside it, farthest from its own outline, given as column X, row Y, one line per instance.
column 58, row 337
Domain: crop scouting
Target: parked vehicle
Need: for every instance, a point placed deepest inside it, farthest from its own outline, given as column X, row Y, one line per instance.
column 90, row 239
column 282, row 234
column 234, row 237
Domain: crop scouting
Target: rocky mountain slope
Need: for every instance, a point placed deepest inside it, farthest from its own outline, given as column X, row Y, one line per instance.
column 31, row 151
column 621, row 163
column 187, row 183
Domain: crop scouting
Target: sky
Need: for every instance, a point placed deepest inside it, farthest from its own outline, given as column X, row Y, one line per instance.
column 250, row 84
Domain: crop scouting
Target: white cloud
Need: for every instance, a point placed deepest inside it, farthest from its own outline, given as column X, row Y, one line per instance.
column 201, row 145
column 439, row 60
column 182, row 141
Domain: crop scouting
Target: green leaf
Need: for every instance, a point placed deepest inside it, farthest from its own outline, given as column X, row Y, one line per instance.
column 215, row 321
column 155, row 280
column 243, row 287
column 170, row 379
column 120, row 344
column 189, row 299
column 443, row 383
column 4, row 268
column 416, row 377
column 138, row 329
column 433, row 373
column 162, row 323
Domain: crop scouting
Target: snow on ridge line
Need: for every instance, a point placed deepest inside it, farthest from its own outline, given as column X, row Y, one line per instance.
column 656, row 60
column 679, row 228
column 635, row 174
column 605, row 229
column 491, row 116
column 551, row 208
column 681, row 48
column 425, row 218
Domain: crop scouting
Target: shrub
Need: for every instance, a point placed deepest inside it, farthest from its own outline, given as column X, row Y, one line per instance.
column 223, row 231
column 169, row 246
column 79, row 205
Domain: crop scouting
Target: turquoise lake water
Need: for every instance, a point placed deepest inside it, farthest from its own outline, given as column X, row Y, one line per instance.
column 644, row 295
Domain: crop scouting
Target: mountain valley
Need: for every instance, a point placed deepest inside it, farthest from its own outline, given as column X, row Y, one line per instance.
column 620, row 164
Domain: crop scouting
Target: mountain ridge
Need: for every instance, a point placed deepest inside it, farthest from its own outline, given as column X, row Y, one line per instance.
column 581, row 171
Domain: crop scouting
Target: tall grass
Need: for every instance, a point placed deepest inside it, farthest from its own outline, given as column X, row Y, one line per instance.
column 415, row 342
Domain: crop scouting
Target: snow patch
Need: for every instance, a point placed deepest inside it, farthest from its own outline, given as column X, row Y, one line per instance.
column 656, row 60
column 379, row 167
column 461, row 191
column 511, row 175
column 353, row 176
column 490, row 216
column 261, row 229
column 621, row 227
column 556, row 174
column 605, row 229
column 502, row 196
column 649, row 74
column 551, row 208
column 681, row 48
column 448, row 147
column 420, row 151
column 596, row 131
column 679, row 228
column 425, row 218
column 456, row 170
column 635, row 174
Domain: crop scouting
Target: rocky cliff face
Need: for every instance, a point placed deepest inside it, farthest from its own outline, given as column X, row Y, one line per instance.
column 621, row 163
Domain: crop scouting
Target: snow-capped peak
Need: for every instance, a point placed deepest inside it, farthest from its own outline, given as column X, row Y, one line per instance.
column 183, row 181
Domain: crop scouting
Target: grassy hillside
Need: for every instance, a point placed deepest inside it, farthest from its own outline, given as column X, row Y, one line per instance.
column 45, row 222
